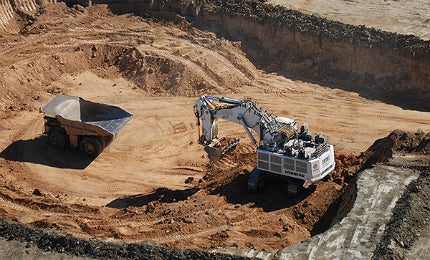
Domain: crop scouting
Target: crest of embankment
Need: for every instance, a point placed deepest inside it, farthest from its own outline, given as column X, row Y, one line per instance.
column 376, row 64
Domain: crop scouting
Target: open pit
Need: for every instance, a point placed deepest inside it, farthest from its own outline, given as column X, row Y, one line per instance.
column 153, row 192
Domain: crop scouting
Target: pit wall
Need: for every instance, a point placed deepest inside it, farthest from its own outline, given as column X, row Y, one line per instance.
column 378, row 65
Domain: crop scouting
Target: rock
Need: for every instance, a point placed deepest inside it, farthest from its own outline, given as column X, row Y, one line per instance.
column 189, row 180
column 37, row 192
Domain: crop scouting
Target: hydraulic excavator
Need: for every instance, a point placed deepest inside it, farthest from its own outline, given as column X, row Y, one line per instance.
column 283, row 151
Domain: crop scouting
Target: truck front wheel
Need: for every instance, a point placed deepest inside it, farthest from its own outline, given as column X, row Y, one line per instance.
column 57, row 138
column 91, row 146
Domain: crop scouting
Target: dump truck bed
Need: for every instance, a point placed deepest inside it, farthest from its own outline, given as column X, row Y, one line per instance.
column 82, row 117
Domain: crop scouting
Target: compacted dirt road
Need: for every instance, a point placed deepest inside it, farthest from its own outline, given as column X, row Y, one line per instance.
column 154, row 182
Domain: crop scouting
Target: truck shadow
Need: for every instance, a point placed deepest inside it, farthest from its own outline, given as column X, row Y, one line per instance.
column 160, row 195
column 38, row 151
column 272, row 196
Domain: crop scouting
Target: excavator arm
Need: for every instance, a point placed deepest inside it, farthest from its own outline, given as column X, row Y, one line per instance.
column 243, row 112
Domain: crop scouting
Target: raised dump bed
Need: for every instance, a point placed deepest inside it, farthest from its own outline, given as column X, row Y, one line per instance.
column 80, row 123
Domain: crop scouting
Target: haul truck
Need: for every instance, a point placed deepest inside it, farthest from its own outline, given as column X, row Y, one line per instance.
column 80, row 123
column 282, row 150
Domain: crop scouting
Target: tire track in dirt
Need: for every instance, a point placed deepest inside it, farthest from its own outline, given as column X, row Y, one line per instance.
column 188, row 63
column 245, row 220
column 144, row 225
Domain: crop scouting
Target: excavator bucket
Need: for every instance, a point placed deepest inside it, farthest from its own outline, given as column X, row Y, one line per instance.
column 214, row 153
column 216, row 150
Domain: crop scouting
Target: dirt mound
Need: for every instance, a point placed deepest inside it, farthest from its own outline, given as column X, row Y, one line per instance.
column 156, row 66
column 397, row 142
column 155, row 73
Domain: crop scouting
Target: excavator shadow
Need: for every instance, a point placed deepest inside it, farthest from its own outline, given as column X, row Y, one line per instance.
column 163, row 195
column 38, row 151
column 273, row 196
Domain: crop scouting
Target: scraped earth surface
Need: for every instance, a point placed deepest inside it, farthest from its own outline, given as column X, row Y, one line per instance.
column 404, row 17
column 154, row 182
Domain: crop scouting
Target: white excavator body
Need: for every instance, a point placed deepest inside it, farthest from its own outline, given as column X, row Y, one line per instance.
column 282, row 149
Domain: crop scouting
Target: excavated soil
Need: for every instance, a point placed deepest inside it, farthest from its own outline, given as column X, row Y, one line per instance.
column 154, row 185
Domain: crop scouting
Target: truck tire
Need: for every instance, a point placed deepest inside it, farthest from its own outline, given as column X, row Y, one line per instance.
column 57, row 138
column 91, row 146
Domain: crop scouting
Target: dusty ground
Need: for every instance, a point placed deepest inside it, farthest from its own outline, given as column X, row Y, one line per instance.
column 139, row 188
column 405, row 17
